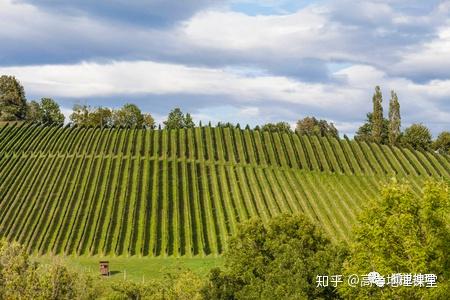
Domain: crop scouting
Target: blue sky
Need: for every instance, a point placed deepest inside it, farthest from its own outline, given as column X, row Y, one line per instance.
column 235, row 61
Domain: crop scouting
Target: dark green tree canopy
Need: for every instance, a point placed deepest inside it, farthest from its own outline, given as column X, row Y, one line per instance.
column 310, row 125
column 418, row 136
column 442, row 143
column 277, row 260
column 13, row 104
column 176, row 120
column 277, row 127
column 364, row 132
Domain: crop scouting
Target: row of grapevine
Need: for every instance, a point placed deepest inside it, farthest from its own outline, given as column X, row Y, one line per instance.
column 101, row 205
column 227, row 145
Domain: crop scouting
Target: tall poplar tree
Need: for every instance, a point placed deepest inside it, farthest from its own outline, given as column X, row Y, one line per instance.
column 394, row 119
column 377, row 115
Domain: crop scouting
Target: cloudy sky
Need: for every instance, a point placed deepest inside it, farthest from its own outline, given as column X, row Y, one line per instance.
column 246, row 61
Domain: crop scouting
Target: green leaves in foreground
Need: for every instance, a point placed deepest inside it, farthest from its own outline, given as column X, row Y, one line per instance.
column 277, row 260
column 402, row 233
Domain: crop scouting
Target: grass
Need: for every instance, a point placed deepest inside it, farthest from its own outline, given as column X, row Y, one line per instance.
column 135, row 268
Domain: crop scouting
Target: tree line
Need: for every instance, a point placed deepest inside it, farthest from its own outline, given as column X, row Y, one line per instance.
column 15, row 107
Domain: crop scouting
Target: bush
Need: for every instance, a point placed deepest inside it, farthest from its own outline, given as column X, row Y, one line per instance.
column 277, row 260
column 417, row 136
column 400, row 233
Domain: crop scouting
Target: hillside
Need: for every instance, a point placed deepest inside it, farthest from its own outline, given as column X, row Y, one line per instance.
column 181, row 192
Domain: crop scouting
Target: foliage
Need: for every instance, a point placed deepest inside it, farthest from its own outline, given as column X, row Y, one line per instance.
column 183, row 286
column 400, row 233
column 442, row 143
column 364, row 133
column 312, row 126
column 148, row 121
column 377, row 125
column 34, row 112
column 417, row 136
column 277, row 127
column 46, row 111
column 188, row 122
column 13, row 104
column 394, row 119
column 277, row 260
column 128, row 116
column 22, row 279
column 176, row 120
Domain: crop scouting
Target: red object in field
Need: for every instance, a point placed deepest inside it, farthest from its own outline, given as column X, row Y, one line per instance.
column 104, row 268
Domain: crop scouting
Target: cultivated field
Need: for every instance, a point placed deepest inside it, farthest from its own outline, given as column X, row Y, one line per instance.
column 91, row 191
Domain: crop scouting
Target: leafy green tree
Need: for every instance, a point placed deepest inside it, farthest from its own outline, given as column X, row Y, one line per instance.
column 364, row 133
column 22, row 279
column 402, row 233
column 377, row 124
column 34, row 112
column 51, row 113
column 129, row 115
column 100, row 116
column 442, row 143
column 81, row 115
column 277, row 127
column 277, row 260
column 418, row 136
column 394, row 119
column 188, row 122
column 46, row 111
column 176, row 120
column 13, row 104
column 148, row 121
column 312, row 126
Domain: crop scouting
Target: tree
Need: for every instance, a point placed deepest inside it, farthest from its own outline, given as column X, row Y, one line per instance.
column 377, row 126
column 148, row 121
column 310, row 125
column 188, row 122
column 34, row 112
column 13, row 104
column 402, row 233
column 277, row 127
column 176, row 120
column 364, row 132
column 46, row 111
column 51, row 113
column 417, row 136
column 277, row 260
column 394, row 119
column 129, row 115
column 81, row 115
column 442, row 143
column 20, row 278
column 100, row 116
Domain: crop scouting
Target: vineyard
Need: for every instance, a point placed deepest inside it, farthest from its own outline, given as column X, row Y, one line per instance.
column 89, row 191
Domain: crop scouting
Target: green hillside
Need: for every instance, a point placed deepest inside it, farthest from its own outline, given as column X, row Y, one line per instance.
column 182, row 192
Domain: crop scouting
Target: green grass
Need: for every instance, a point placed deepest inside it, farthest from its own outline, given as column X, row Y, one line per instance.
column 135, row 268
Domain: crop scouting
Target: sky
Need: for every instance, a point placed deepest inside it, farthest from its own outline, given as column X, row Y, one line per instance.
column 240, row 61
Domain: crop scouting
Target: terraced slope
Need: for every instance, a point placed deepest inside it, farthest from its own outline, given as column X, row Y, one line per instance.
column 182, row 192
